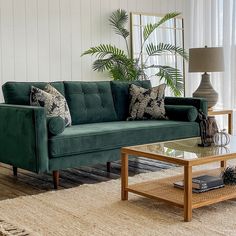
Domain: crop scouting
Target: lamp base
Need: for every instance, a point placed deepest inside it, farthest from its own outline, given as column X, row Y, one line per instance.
column 205, row 90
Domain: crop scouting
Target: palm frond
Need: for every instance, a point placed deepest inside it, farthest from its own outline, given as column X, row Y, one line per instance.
column 104, row 50
column 112, row 59
column 155, row 50
column 172, row 77
column 118, row 19
column 149, row 28
column 122, row 72
column 109, row 62
column 102, row 64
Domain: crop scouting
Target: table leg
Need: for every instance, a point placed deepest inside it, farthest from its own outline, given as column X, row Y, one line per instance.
column 124, row 176
column 230, row 123
column 187, row 193
column 223, row 164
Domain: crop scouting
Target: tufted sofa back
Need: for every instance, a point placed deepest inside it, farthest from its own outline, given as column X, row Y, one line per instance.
column 89, row 102
column 19, row 92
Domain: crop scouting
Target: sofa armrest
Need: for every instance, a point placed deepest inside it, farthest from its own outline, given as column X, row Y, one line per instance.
column 199, row 103
column 23, row 137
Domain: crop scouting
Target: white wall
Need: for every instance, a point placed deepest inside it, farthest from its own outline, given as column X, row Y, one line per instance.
column 42, row 40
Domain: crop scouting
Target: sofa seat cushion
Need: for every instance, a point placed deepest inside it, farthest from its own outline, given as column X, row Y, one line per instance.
column 87, row 138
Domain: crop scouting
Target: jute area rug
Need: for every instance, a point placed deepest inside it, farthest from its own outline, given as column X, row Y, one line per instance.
column 97, row 210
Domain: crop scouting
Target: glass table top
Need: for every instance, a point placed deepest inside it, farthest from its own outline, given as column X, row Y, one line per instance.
column 187, row 149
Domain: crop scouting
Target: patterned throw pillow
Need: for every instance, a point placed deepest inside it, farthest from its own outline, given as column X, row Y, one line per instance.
column 147, row 103
column 53, row 101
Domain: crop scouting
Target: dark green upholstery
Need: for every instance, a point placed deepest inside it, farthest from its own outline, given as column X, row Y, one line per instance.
column 84, row 159
column 181, row 113
column 90, row 102
column 23, row 137
column 19, row 92
column 56, row 125
column 120, row 92
column 112, row 135
column 99, row 110
column 199, row 103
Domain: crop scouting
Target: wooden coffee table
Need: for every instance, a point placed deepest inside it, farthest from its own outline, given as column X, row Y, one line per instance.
column 185, row 153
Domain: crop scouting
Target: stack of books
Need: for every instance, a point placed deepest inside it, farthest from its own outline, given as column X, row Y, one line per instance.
column 203, row 183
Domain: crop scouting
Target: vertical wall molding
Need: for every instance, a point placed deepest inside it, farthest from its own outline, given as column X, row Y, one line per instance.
column 42, row 40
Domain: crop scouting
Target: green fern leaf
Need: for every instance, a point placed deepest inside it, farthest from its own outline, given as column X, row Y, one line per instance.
column 156, row 50
column 172, row 77
column 118, row 20
column 149, row 28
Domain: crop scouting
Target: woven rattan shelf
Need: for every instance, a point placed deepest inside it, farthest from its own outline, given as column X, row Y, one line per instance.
column 164, row 190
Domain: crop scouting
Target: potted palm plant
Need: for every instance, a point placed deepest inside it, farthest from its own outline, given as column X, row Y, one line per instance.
column 122, row 66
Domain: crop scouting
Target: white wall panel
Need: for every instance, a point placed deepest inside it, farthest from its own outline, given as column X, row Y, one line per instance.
column 85, row 19
column 7, row 41
column 65, row 8
column 76, row 40
column 19, row 34
column 54, row 24
column 31, row 16
column 42, row 40
column 96, row 34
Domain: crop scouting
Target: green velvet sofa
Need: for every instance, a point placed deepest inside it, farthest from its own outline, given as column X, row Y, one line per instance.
column 99, row 127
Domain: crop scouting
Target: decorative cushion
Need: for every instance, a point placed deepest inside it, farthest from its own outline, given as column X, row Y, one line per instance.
column 56, row 125
column 50, row 89
column 120, row 93
column 147, row 103
column 181, row 113
column 55, row 105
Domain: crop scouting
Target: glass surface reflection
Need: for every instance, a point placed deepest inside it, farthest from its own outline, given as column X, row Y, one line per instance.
column 187, row 149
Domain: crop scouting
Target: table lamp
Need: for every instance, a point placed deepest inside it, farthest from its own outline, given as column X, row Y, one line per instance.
column 206, row 60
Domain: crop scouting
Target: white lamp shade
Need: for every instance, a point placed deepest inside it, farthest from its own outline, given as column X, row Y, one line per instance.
column 206, row 59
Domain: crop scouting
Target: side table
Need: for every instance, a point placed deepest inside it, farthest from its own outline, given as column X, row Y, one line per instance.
column 224, row 112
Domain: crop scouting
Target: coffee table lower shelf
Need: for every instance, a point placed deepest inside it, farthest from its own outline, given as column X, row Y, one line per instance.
column 164, row 190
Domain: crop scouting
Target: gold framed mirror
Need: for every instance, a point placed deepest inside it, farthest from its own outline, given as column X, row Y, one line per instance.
column 170, row 32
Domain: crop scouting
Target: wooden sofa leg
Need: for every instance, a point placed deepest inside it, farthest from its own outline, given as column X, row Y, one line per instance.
column 108, row 166
column 55, row 174
column 14, row 170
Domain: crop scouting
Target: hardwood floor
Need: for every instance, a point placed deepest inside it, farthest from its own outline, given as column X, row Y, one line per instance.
column 28, row 183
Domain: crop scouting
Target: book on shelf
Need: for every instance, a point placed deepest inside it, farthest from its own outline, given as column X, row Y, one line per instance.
column 203, row 183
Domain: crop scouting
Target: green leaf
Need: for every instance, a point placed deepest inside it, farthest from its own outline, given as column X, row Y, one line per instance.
column 123, row 73
column 149, row 28
column 156, row 50
column 108, row 63
column 172, row 77
column 104, row 50
column 114, row 60
column 118, row 20
column 102, row 64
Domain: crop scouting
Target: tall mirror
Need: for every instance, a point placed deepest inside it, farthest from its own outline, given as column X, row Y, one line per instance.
column 171, row 32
